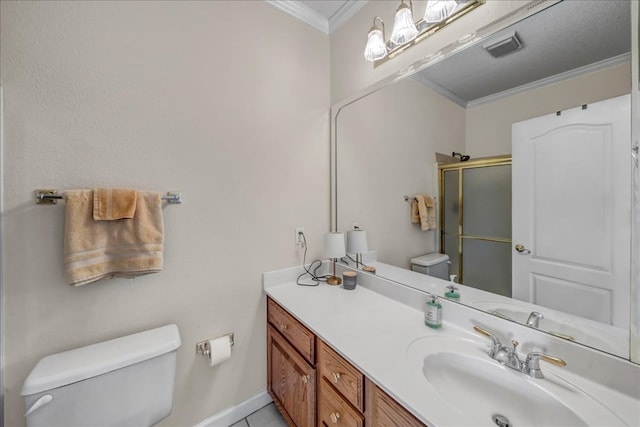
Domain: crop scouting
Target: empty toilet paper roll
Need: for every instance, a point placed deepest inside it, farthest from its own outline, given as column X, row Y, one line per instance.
column 219, row 350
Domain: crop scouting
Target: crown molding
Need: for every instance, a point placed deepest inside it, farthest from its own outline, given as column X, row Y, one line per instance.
column 429, row 84
column 297, row 9
column 303, row 13
column 577, row 72
column 346, row 11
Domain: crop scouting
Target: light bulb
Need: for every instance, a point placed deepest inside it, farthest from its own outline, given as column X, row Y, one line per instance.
column 404, row 29
column 375, row 48
column 439, row 10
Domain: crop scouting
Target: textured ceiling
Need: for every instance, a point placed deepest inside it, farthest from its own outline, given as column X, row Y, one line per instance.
column 563, row 37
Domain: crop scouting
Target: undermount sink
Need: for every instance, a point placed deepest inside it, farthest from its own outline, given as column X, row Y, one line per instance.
column 482, row 392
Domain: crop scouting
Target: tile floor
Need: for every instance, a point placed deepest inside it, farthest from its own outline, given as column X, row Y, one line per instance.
column 265, row 417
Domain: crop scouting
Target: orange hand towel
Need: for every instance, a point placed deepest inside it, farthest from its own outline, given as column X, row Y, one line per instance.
column 431, row 212
column 422, row 212
column 97, row 250
column 111, row 204
column 415, row 215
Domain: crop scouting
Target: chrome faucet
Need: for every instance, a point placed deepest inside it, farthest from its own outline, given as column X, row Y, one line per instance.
column 531, row 364
column 509, row 356
column 534, row 319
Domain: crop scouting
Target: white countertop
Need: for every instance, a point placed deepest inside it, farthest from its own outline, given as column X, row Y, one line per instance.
column 373, row 332
column 369, row 330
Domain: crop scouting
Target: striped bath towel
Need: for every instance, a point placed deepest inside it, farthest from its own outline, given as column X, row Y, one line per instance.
column 98, row 250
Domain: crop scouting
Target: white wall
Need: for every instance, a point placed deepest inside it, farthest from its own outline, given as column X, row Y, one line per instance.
column 156, row 95
column 489, row 125
column 386, row 150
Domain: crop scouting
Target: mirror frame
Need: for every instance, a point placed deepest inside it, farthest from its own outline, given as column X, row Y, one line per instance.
column 479, row 35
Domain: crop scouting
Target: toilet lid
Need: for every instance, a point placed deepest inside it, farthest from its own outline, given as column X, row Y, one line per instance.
column 79, row 364
column 430, row 259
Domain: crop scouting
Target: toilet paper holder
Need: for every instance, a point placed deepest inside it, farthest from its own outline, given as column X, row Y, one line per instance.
column 203, row 348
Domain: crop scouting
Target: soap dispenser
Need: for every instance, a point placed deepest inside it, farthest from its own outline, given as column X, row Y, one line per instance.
column 452, row 293
column 433, row 313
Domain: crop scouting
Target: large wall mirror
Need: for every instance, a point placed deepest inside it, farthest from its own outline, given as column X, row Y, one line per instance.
column 561, row 73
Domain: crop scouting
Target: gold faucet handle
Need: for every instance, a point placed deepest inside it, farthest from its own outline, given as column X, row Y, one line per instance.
column 515, row 344
column 482, row 331
column 553, row 360
column 532, row 367
column 495, row 342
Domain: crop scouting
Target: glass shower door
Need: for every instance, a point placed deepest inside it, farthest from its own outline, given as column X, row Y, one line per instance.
column 476, row 222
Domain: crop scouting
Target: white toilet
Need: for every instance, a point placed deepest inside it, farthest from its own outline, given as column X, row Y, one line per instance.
column 433, row 264
column 126, row 381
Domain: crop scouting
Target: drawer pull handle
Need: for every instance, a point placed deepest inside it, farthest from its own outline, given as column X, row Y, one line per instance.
column 305, row 379
column 336, row 377
column 335, row 417
column 283, row 327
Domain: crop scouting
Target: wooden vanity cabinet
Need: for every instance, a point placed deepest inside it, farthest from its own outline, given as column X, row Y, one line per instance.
column 340, row 390
column 333, row 408
column 291, row 374
column 345, row 397
column 383, row 411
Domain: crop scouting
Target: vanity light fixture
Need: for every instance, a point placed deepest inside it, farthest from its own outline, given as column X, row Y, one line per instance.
column 357, row 244
column 406, row 32
column 439, row 10
column 375, row 49
column 404, row 29
column 333, row 249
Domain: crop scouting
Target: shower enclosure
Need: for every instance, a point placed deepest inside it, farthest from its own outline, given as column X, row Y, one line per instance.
column 475, row 222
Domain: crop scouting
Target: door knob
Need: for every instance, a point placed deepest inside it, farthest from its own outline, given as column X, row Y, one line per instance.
column 520, row 248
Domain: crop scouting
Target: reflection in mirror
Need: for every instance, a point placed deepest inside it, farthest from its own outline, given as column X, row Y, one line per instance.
column 578, row 198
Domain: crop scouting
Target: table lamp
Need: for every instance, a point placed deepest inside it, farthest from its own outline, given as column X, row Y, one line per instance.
column 334, row 248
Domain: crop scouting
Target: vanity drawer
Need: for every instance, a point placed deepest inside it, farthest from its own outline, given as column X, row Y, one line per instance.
column 341, row 374
column 334, row 410
column 299, row 336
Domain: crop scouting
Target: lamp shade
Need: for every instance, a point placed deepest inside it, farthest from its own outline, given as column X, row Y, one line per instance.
column 439, row 10
column 357, row 241
column 334, row 245
column 404, row 29
column 375, row 48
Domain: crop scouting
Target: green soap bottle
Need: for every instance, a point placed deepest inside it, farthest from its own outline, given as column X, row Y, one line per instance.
column 452, row 293
column 433, row 313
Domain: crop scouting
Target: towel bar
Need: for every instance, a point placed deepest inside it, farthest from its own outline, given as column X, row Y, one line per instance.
column 410, row 199
column 51, row 197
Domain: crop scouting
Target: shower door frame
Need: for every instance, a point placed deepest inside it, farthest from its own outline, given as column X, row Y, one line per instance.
column 460, row 167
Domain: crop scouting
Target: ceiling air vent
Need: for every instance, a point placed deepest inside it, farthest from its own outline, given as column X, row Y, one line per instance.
column 506, row 44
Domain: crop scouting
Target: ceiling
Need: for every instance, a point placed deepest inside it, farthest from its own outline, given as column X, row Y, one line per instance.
column 567, row 36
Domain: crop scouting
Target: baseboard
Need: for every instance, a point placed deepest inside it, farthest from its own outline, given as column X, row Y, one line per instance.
column 238, row 412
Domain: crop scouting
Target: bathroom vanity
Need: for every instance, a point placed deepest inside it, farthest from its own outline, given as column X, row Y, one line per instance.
column 308, row 380
column 364, row 357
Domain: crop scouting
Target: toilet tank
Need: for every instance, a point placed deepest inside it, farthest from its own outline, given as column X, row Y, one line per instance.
column 434, row 264
column 126, row 381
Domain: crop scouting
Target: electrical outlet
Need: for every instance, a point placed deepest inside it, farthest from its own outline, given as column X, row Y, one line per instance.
column 299, row 238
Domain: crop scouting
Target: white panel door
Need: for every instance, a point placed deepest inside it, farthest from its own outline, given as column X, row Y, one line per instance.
column 572, row 210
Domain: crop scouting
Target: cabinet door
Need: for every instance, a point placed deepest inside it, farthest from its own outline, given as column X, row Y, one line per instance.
column 291, row 380
column 383, row 411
